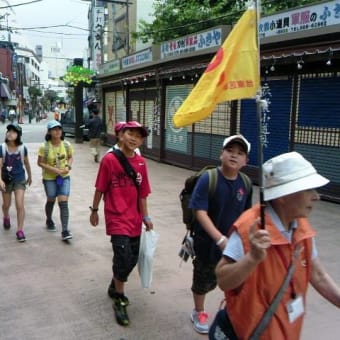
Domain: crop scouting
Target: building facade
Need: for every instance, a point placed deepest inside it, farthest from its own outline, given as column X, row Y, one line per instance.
column 300, row 55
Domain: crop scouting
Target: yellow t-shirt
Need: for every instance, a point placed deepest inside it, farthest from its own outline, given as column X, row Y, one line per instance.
column 56, row 156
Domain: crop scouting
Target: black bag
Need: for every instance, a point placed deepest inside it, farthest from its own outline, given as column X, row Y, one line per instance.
column 189, row 185
column 7, row 177
column 221, row 328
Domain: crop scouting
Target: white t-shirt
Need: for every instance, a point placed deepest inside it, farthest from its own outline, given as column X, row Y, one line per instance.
column 137, row 151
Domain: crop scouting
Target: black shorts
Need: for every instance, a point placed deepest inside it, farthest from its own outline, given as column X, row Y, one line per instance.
column 125, row 255
column 204, row 278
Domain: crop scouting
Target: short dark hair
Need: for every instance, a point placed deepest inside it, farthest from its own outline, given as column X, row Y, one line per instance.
column 48, row 136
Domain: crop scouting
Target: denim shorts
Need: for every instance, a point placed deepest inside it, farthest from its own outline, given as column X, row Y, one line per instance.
column 125, row 255
column 53, row 190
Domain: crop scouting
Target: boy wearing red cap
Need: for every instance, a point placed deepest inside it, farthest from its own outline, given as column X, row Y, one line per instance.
column 125, row 209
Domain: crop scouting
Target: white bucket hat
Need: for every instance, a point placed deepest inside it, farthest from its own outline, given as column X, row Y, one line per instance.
column 289, row 173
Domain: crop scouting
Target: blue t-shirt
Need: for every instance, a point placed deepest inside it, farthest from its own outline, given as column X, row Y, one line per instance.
column 13, row 164
column 229, row 201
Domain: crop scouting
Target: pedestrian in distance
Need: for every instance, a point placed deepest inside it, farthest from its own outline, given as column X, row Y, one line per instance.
column 213, row 218
column 125, row 210
column 55, row 157
column 256, row 260
column 13, row 163
column 57, row 114
column 95, row 126
column 3, row 116
column 12, row 114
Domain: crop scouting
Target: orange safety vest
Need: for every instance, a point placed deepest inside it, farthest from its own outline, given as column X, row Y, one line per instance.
column 247, row 304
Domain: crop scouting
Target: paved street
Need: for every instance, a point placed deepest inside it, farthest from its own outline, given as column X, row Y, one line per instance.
column 53, row 290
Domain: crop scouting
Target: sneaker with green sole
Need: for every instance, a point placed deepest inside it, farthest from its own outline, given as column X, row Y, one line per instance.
column 119, row 307
column 111, row 292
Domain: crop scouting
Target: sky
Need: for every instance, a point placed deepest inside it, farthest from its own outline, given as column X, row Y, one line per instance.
column 46, row 13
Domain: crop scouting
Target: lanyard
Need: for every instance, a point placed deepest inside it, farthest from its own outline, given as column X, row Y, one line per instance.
column 286, row 265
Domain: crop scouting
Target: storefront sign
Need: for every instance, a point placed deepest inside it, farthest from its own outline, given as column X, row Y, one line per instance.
column 192, row 43
column 137, row 58
column 110, row 67
column 306, row 18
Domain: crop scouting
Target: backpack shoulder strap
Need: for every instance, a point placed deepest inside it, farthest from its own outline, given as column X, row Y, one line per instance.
column 213, row 175
column 126, row 165
column 46, row 150
column 67, row 147
column 247, row 181
column 4, row 148
column 22, row 152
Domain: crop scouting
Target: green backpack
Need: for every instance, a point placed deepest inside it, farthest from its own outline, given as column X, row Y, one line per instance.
column 188, row 215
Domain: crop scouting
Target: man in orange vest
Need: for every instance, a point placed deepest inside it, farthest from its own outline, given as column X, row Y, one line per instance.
column 255, row 261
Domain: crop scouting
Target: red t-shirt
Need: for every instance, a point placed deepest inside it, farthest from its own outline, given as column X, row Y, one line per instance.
column 120, row 195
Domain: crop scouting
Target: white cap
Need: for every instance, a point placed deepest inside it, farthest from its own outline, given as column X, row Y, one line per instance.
column 289, row 173
column 237, row 139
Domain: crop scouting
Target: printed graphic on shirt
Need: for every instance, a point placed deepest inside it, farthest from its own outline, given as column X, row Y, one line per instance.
column 240, row 194
column 122, row 180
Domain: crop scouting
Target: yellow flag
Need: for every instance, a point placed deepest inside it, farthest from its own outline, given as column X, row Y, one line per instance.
column 232, row 74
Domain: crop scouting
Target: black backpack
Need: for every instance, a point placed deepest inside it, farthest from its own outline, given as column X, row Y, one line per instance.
column 189, row 185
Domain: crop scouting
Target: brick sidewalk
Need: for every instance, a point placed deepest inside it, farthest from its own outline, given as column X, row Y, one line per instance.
column 52, row 290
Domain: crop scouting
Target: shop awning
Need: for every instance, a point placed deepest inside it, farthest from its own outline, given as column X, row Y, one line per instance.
column 4, row 91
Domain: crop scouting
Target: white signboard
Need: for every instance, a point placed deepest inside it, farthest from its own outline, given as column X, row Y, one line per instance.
column 192, row 43
column 306, row 18
column 137, row 58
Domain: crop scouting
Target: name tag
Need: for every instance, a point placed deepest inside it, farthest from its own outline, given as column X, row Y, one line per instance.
column 295, row 308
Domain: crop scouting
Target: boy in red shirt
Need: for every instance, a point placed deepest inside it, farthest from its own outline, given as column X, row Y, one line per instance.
column 125, row 208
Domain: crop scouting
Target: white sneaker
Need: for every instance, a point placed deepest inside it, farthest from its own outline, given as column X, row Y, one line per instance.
column 200, row 321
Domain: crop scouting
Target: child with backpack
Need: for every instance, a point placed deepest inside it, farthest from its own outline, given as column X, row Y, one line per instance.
column 13, row 163
column 214, row 214
column 55, row 157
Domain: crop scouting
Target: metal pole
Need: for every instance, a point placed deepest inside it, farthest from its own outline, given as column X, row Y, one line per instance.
column 127, row 29
column 259, row 124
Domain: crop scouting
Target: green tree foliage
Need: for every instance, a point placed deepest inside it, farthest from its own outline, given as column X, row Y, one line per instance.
column 51, row 96
column 34, row 93
column 175, row 18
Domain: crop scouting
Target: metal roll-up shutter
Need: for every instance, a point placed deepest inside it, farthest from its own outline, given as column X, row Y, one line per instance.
column 143, row 108
column 276, row 122
column 114, row 111
column 317, row 130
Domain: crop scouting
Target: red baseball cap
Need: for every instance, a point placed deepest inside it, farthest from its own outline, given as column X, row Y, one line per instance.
column 119, row 126
column 135, row 125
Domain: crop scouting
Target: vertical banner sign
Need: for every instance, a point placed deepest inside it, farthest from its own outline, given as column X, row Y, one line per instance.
column 98, row 31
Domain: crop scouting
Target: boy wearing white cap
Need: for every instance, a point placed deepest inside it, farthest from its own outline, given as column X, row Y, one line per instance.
column 256, row 261
column 214, row 217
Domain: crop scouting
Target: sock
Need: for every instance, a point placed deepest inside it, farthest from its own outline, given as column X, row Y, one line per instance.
column 64, row 215
column 49, row 210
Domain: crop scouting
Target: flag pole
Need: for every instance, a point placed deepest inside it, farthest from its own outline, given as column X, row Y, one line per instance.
column 259, row 104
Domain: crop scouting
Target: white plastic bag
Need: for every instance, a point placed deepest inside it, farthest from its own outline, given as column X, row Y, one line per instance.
column 148, row 242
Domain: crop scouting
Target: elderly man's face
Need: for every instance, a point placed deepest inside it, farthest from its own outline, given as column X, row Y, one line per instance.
column 300, row 204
